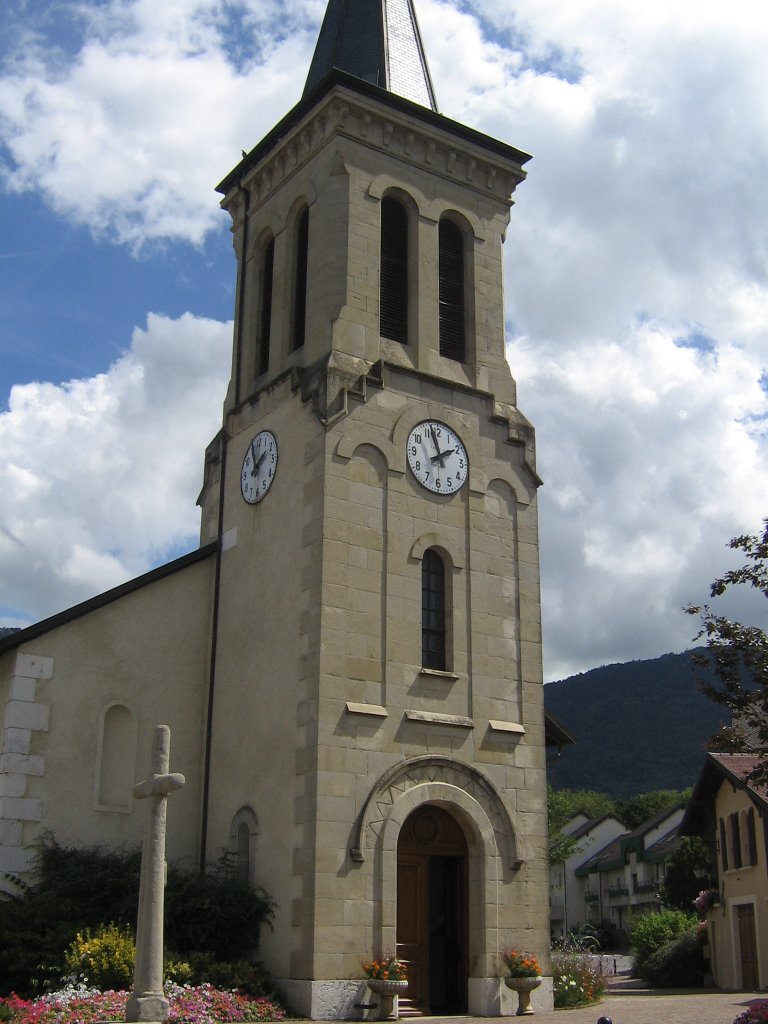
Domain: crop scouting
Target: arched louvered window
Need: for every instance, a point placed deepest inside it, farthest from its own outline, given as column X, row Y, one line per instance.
column 267, row 275
column 723, row 846
column 433, row 623
column 300, row 279
column 451, row 291
column 393, row 279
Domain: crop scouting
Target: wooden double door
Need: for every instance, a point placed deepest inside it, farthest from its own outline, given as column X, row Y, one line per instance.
column 432, row 911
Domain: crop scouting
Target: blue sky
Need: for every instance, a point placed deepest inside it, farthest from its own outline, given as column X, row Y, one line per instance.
column 636, row 281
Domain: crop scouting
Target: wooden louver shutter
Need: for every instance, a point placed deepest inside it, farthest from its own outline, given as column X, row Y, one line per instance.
column 300, row 287
column 266, row 305
column 393, row 272
column 451, row 291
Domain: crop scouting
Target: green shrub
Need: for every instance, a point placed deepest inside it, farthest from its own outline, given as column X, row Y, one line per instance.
column 678, row 964
column 650, row 932
column 103, row 960
column 79, row 888
column 248, row 978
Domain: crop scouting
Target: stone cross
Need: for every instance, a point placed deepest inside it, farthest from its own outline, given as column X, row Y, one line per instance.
column 147, row 1002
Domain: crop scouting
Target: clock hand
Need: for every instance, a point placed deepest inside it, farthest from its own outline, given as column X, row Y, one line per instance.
column 255, row 469
column 441, row 455
column 438, row 456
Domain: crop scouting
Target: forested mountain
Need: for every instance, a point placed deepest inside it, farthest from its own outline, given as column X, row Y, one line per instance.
column 638, row 727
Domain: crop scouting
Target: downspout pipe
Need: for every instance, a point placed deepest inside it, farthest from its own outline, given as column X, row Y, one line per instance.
column 219, row 538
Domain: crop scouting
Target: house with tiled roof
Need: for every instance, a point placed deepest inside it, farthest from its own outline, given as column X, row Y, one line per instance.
column 567, row 897
column 622, row 879
column 731, row 814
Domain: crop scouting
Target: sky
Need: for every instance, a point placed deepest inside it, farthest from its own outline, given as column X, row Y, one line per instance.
column 636, row 283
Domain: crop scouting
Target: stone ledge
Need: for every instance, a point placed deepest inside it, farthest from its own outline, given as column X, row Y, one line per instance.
column 436, row 673
column 439, row 719
column 514, row 727
column 375, row 710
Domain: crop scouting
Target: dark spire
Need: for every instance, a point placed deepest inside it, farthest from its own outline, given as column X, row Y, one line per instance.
column 378, row 41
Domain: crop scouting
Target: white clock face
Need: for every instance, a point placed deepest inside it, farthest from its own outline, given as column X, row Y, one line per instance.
column 259, row 467
column 437, row 457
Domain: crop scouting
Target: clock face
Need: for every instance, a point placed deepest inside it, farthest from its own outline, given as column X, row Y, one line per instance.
column 259, row 467
column 437, row 457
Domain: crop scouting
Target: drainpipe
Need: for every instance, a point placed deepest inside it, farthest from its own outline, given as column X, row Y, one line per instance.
column 219, row 535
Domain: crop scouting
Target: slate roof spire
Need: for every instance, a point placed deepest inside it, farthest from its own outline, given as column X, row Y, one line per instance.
column 378, row 41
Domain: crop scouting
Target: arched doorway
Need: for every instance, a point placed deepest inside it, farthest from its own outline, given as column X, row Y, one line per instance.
column 432, row 910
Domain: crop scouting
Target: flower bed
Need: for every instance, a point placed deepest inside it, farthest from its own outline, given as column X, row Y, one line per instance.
column 577, row 979
column 201, row 1004
column 757, row 1013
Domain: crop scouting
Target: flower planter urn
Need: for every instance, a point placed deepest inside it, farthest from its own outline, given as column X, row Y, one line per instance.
column 387, row 990
column 523, row 987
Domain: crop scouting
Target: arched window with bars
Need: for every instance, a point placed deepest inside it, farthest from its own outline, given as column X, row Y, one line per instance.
column 243, row 832
column 433, row 612
column 452, row 312
column 393, row 271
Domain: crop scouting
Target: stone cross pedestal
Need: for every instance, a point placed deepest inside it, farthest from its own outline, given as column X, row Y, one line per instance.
column 147, row 1002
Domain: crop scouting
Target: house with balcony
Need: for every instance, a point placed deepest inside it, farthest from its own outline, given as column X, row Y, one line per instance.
column 569, row 900
column 622, row 878
column 730, row 813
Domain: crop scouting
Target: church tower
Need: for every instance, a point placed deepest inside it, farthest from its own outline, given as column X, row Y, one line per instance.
column 375, row 732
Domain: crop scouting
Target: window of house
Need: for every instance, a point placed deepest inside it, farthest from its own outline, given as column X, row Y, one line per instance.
column 433, row 646
column 734, row 846
column 751, row 838
column 723, row 846
column 267, row 275
column 451, row 291
column 300, row 279
column 393, row 271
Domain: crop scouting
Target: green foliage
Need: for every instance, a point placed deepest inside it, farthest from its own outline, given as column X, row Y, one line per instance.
column 104, row 959
column 576, row 978
column 215, row 912
column 79, row 888
column 248, row 978
column 689, row 870
column 649, row 932
column 738, row 655
column 677, row 964
column 562, row 806
column 637, row 809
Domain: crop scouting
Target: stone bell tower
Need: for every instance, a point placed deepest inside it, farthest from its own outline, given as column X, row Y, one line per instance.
column 376, row 729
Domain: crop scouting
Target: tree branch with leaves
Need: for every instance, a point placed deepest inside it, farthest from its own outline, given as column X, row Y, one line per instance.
column 739, row 656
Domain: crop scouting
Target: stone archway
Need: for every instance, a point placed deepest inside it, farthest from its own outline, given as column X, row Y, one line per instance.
column 492, row 859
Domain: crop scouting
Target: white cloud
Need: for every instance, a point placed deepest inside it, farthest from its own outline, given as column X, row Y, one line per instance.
column 636, row 276
column 130, row 135
column 100, row 476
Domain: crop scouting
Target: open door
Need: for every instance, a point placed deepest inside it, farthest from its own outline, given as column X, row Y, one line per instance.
column 432, row 912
